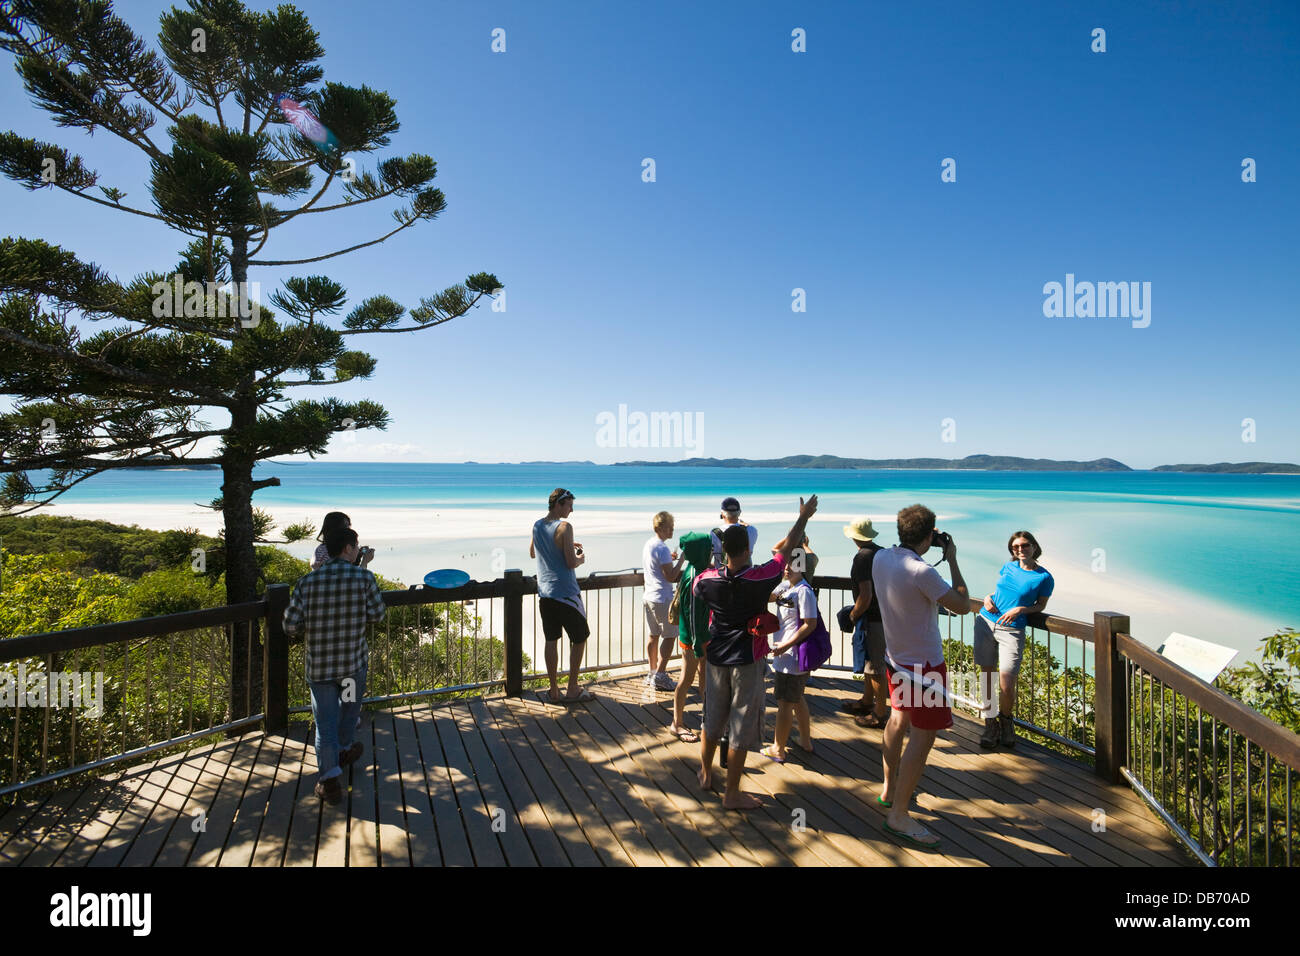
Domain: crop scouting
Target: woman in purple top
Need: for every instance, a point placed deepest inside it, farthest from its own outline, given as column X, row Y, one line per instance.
column 1023, row 589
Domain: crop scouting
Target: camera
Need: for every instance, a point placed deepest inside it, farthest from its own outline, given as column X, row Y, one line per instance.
column 941, row 540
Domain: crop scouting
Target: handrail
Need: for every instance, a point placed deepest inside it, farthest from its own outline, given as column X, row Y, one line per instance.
column 52, row 642
column 1273, row 737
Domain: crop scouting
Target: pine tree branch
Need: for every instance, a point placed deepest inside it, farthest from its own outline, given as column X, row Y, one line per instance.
column 422, row 325
column 330, row 255
column 156, row 443
column 133, row 376
column 120, row 207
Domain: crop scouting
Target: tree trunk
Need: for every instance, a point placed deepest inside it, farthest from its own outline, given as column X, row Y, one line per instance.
column 241, row 553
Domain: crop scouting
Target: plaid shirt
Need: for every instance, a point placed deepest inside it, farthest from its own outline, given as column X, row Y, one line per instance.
column 335, row 603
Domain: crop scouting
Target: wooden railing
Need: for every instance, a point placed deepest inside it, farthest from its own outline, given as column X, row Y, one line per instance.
column 1222, row 780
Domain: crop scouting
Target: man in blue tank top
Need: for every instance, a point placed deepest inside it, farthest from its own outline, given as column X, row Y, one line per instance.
column 559, row 598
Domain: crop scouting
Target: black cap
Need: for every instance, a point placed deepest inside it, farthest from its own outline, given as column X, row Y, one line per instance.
column 730, row 504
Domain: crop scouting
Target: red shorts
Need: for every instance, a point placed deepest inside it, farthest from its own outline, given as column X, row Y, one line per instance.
column 922, row 695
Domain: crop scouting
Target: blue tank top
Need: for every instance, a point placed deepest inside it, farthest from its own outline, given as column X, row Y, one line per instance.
column 555, row 579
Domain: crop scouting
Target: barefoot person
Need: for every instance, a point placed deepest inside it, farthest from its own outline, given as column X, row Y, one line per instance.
column 559, row 599
column 910, row 592
column 735, row 594
column 692, row 628
column 797, row 612
column 1023, row 588
column 660, row 574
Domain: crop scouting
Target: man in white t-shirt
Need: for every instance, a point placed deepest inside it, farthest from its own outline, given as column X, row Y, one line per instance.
column 730, row 514
column 660, row 576
column 910, row 593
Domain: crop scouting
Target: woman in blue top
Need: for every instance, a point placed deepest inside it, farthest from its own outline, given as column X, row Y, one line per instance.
column 1023, row 589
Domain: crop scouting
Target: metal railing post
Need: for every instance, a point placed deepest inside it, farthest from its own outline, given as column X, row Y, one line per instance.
column 514, row 632
column 275, row 662
column 1111, row 718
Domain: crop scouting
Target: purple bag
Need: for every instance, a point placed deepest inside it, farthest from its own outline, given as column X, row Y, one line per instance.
column 816, row 648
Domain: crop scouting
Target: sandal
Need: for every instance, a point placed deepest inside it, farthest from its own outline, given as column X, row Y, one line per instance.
column 857, row 707
column 770, row 752
column 685, row 735
column 871, row 722
column 916, row 839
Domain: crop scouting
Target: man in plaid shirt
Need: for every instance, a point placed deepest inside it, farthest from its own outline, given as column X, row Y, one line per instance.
column 336, row 603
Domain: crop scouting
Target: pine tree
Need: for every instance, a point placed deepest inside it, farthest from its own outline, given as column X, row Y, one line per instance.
column 107, row 374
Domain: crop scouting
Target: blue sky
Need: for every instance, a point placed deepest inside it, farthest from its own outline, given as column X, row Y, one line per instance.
column 820, row 171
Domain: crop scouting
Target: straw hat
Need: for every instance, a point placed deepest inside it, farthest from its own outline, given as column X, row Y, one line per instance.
column 860, row 530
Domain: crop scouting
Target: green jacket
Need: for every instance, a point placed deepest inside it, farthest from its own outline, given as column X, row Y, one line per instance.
column 693, row 618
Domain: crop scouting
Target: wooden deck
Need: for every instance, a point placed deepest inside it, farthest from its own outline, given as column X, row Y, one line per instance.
column 495, row 781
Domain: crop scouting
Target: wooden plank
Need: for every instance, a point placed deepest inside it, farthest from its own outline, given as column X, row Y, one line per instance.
column 394, row 840
column 561, row 731
column 205, row 782
column 421, row 831
column 169, row 810
column 452, row 842
column 556, row 813
column 308, row 814
column 502, row 813
column 289, row 776
column 680, row 789
column 247, row 824
column 816, row 844
column 332, row 836
column 65, row 828
column 529, row 812
column 87, row 841
column 26, row 823
column 645, row 780
column 220, row 815
column 475, row 814
column 363, row 820
column 685, row 764
column 592, row 829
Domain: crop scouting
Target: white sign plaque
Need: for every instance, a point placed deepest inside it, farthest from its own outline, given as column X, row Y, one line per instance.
column 1202, row 658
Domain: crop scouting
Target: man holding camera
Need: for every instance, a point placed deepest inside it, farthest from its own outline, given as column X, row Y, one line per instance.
column 910, row 592
column 336, row 603
column 559, row 600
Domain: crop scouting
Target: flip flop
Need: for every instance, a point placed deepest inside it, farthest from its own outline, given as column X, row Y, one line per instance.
column 770, row 753
column 685, row 735
column 915, row 839
column 583, row 697
column 884, row 803
column 857, row 707
column 871, row 722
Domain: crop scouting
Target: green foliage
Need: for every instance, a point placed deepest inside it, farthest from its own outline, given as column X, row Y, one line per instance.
column 43, row 592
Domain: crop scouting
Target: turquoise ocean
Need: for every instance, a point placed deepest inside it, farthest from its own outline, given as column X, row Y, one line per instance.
column 1213, row 556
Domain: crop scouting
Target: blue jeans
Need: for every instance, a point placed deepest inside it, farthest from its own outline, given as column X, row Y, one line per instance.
column 860, row 645
column 336, row 718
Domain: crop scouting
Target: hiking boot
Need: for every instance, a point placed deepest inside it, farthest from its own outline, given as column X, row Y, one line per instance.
column 1008, row 727
column 330, row 791
column 989, row 739
column 351, row 755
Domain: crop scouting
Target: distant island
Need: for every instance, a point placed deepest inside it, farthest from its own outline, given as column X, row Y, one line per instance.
column 969, row 463
column 1237, row 468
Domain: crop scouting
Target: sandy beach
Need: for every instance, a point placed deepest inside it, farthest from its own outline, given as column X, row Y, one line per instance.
column 411, row 541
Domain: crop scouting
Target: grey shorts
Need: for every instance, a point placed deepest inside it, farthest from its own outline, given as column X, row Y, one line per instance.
column 656, row 619
column 733, row 702
column 875, row 650
column 789, row 687
column 998, row 646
